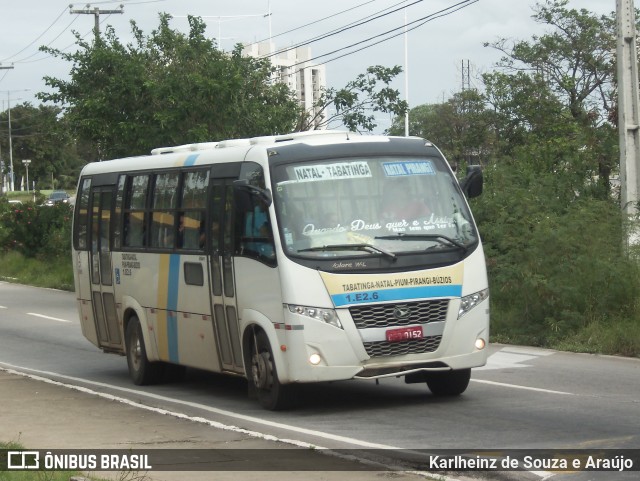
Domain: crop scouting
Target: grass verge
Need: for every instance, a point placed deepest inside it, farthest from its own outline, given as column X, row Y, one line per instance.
column 52, row 273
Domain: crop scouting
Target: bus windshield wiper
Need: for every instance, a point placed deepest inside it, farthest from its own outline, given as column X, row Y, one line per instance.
column 443, row 239
column 357, row 247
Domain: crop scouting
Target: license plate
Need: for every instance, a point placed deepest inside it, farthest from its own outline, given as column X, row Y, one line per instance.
column 404, row 334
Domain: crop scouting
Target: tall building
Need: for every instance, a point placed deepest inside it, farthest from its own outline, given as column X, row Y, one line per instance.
column 294, row 69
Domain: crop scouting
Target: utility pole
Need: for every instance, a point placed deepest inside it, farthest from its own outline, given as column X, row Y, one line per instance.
column 96, row 12
column 11, row 184
column 628, row 113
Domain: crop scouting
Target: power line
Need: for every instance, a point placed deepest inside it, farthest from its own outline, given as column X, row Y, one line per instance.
column 428, row 18
column 313, row 23
column 375, row 16
column 38, row 37
column 63, row 31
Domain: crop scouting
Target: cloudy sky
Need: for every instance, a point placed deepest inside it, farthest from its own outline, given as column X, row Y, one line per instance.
column 436, row 47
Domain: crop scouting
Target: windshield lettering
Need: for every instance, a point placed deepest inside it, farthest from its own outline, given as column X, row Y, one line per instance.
column 342, row 170
column 394, row 169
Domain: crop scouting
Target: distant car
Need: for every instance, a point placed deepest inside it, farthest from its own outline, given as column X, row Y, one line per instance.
column 57, row 197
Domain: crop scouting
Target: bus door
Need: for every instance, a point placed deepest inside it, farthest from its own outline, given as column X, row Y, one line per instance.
column 225, row 308
column 102, row 295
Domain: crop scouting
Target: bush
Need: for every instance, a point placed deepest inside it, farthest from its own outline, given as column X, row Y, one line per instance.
column 36, row 231
column 557, row 263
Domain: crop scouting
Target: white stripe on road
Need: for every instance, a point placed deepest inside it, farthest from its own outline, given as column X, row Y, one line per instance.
column 527, row 388
column 223, row 412
column 47, row 317
column 19, row 370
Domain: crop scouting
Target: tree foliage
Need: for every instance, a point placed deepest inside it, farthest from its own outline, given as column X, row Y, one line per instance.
column 170, row 88
column 38, row 134
column 563, row 76
column 356, row 104
column 462, row 127
column 167, row 88
column 550, row 222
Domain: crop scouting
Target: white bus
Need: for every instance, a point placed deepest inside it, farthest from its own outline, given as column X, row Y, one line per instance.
column 289, row 259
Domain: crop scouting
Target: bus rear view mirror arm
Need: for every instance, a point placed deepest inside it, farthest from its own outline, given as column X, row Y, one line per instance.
column 262, row 194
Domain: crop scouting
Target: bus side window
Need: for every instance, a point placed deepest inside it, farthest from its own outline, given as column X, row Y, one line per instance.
column 134, row 211
column 82, row 216
column 191, row 233
column 193, row 203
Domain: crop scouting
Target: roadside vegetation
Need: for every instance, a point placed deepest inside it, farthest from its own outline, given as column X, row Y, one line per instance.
column 35, row 243
column 542, row 123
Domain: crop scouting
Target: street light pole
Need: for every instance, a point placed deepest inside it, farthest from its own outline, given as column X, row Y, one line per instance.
column 11, row 187
column 11, row 181
column 26, row 163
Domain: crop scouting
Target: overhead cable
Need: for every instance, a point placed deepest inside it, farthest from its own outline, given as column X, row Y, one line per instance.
column 428, row 18
column 38, row 38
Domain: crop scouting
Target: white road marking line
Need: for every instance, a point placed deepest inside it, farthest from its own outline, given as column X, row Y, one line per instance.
column 529, row 351
column 527, row 388
column 512, row 357
column 10, row 368
column 47, row 317
column 223, row 412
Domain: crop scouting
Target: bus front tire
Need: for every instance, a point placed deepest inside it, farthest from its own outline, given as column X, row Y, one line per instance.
column 449, row 383
column 141, row 370
column 263, row 377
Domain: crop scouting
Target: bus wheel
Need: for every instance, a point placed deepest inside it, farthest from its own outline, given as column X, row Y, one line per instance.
column 264, row 378
column 141, row 370
column 449, row 383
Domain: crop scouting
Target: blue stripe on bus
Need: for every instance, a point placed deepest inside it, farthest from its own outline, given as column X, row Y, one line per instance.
column 191, row 160
column 172, row 306
column 401, row 294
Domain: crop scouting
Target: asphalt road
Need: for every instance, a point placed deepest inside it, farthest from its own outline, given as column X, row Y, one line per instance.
column 525, row 398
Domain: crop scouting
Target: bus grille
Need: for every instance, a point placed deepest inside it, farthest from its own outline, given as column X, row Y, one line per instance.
column 414, row 346
column 382, row 315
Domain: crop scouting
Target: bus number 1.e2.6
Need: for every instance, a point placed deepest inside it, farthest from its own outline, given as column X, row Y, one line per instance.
column 362, row 296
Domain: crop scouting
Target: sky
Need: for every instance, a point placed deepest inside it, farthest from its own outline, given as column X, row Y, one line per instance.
column 432, row 56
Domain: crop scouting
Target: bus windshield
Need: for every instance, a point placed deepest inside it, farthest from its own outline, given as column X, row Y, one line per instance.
column 385, row 206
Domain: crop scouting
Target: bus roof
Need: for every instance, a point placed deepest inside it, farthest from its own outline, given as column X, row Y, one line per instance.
column 265, row 140
column 189, row 154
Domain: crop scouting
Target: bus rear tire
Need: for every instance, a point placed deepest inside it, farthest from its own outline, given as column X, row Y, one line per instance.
column 263, row 377
column 449, row 383
column 141, row 370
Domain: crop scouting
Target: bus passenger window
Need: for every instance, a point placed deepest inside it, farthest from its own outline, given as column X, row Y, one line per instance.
column 191, row 234
column 134, row 229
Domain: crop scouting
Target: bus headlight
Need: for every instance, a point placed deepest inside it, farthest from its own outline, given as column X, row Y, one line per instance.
column 472, row 300
column 325, row 315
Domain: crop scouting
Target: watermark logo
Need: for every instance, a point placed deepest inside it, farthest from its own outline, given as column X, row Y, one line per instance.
column 21, row 460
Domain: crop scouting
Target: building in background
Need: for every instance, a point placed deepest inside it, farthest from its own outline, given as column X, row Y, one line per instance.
column 294, row 68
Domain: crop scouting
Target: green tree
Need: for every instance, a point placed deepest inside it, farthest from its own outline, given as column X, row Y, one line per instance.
column 355, row 105
column 40, row 135
column 167, row 88
column 461, row 127
column 569, row 71
column 552, row 230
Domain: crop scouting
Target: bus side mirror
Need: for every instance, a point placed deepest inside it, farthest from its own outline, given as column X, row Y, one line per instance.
column 263, row 194
column 472, row 183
